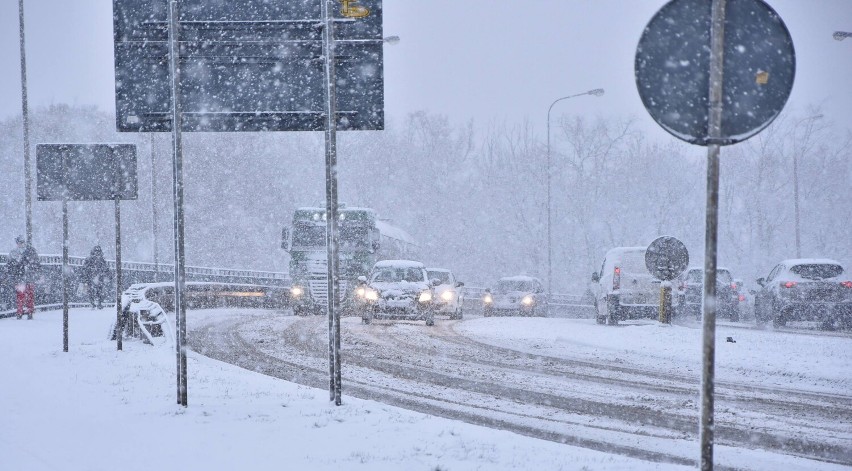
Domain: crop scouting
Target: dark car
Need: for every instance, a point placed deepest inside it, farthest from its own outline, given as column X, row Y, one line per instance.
column 396, row 289
column 516, row 295
column 690, row 292
column 817, row 290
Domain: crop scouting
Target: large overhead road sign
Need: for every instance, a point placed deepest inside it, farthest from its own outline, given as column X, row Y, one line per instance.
column 247, row 65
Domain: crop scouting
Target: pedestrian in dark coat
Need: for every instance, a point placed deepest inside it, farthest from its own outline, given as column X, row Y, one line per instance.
column 96, row 276
column 23, row 270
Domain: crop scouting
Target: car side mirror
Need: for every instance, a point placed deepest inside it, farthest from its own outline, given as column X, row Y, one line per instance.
column 487, row 290
column 285, row 238
column 362, row 279
column 761, row 281
column 595, row 277
column 436, row 282
column 752, row 291
column 459, row 284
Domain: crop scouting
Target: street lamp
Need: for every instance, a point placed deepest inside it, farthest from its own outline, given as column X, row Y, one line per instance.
column 595, row 92
column 811, row 119
column 841, row 35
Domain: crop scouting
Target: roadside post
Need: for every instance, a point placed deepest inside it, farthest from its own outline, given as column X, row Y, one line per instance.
column 666, row 258
column 87, row 172
column 728, row 66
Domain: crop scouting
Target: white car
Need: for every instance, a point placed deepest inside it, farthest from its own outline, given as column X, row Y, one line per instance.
column 449, row 297
column 396, row 289
column 624, row 289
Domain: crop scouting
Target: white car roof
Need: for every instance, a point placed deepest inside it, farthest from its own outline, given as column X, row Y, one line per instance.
column 443, row 270
column 399, row 264
column 518, row 278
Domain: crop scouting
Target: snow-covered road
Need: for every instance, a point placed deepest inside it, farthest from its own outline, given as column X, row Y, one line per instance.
column 630, row 390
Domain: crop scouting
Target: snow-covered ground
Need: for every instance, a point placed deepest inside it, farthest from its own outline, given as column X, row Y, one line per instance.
column 95, row 408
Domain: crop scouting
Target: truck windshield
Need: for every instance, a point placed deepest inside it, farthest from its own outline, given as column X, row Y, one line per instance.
column 308, row 235
column 354, row 236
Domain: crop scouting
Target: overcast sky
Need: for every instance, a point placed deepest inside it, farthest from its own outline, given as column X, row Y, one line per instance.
column 482, row 59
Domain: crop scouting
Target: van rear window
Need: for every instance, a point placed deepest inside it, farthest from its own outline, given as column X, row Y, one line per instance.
column 633, row 262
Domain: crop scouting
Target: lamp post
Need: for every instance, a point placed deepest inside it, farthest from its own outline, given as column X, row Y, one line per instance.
column 595, row 92
column 810, row 119
column 841, row 35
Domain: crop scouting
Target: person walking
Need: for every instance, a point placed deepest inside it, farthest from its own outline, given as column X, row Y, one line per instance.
column 23, row 269
column 96, row 276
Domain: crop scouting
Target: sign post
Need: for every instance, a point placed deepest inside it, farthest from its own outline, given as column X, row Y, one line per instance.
column 666, row 258
column 708, row 53
column 87, row 172
column 261, row 65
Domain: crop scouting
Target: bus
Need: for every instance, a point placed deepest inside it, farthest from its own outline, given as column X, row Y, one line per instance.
column 363, row 239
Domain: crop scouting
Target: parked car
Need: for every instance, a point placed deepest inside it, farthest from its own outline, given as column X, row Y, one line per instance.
column 690, row 293
column 805, row 290
column 516, row 295
column 624, row 289
column 396, row 289
column 449, row 297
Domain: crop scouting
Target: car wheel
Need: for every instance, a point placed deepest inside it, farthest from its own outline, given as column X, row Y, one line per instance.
column 430, row 320
column 459, row 313
column 367, row 317
column 778, row 318
column 298, row 311
column 611, row 314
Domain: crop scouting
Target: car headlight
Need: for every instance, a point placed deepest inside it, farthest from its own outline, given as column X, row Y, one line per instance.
column 487, row 299
column 425, row 297
column 527, row 300
column 296, row 291
column 360, row 292
column 371, row 294
column 447, row 295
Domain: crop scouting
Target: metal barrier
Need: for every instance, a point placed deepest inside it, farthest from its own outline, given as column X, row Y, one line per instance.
column 49, row 287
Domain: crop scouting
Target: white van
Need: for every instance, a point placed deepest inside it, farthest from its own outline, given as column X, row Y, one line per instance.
column 624, row 289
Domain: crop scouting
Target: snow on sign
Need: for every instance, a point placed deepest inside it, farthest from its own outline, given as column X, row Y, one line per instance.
column 247, row 65
column 85, row 172
column 673, row 69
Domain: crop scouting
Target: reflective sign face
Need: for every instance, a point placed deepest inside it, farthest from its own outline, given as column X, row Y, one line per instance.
column 673, row 69
column 248, row 65
column 85, row 172
column 666, row 258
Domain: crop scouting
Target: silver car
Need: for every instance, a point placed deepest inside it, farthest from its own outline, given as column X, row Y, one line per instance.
column 396, row 289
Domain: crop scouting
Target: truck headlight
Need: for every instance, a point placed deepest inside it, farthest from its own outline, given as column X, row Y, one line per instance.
column 296, row 291
column 527, row 300
column 447, row 295
column 425, row 297
column 371, row 294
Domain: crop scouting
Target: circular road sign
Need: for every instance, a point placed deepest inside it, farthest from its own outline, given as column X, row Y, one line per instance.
column 673, row 69
column 666, row 258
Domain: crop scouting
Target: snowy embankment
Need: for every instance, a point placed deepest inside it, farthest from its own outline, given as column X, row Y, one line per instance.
column 94, row 408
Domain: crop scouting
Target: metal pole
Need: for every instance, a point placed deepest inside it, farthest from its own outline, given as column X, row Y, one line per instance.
column 28, row 179
column 717, row 41
column 595, row 92
column 180, row 306
column 119, row 320
column 64, row 268
column 796, row 203
column 331, row 203
column 154, row 212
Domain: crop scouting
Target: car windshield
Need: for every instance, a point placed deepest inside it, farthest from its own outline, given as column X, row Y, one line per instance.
column 697, row 276
column 397, row 274
column 443, row 276
column 504, row 286
column 817, row 271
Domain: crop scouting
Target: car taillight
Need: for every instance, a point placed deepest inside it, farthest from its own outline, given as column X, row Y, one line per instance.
column 733, row 286
column 788, row 284
column 846, row 284
column 742, row 297
column 616, row 278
